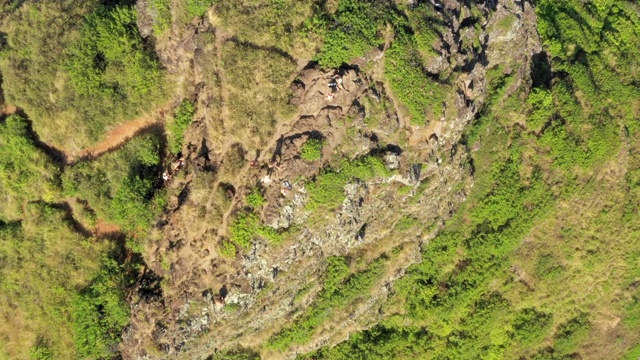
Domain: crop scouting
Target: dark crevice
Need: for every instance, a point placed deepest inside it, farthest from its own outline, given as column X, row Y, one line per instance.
column 68, row 216
column 271, row 49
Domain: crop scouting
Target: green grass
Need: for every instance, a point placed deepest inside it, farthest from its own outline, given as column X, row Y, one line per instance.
column 312, row 150
column 340, row 288
column 182, row 118
column 78, row 68
column 327, row 190
column 255, row 199
column 246, row 227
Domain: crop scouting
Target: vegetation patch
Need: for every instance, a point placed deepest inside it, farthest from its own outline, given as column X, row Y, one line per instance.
column 26, row 172
column 247, row 226
column 119, row 186
column 352, row 31
column 312, row 150
column 77, row 68
column 328, row 188
column 422, row 94
column 258, row 89
column 340, row 289
column 255, row 199
column 182, row 118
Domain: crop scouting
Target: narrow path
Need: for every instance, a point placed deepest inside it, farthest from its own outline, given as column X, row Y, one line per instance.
column 118, row 136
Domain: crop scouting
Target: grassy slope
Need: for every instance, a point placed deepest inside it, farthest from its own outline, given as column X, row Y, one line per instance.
column 541, row 260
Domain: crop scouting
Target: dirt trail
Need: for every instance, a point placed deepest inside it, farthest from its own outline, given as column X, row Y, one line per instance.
column 9, row 109
column 117, row 137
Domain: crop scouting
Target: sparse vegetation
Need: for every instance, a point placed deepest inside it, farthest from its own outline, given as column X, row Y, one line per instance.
column 256, row 105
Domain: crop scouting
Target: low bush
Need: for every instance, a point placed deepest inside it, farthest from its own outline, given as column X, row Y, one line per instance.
column 100, row 313
column 182, row 118
column 530, row 325
column 312, row 150
column 328, row 188
column 255, row 199
column 246, row 226
column 26, row 172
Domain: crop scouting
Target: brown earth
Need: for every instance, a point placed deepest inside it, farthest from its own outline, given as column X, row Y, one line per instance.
column 118, row 136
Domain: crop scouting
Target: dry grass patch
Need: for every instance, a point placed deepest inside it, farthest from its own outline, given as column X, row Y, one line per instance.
column 257, row 84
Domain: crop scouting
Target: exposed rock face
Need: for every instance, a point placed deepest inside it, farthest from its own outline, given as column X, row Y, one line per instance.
column 262, row 282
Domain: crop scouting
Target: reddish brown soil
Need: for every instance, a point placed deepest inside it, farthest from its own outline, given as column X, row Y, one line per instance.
column 117, row 136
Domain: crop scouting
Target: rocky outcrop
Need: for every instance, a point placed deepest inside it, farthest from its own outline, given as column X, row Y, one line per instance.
column 433, row 165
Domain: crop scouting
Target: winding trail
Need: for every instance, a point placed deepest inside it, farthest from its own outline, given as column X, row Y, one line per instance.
column 118, row 136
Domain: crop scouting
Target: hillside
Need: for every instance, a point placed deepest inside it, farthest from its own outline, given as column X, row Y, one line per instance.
column 334, row 179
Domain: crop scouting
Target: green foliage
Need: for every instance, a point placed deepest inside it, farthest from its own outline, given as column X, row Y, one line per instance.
column 548, row 267
column 100, row 313
column 633, row 354
column 235, row 354
column 328, row 189
column 40, row 352
column 181, row 120
column 407, row 223
column 26, row 172
column 43, row 263
column 130, row 205
column 119, row 185
column 255, row 199
column 530, row 325
column 197, row 7
column 340, row 289
column 161, row 10
column 77, row 68
column 570, row 333
column 246, row 226
column 312, row 150
column 541, row 102
column 228, row 249
column 352, row 31
column 380, row 342
column 110, row 60
column 422, row 94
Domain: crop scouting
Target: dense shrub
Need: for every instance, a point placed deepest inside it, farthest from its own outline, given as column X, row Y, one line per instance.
column 246, row 226
column 353, row 30
column 26, row 172
column 100, row 313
